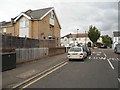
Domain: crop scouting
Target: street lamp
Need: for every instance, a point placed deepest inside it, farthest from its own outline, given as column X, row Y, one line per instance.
column 85, row 37
column 77, row 33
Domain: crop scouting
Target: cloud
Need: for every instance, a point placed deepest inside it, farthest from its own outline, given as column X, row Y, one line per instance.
column 104, row 15
column 72, row 14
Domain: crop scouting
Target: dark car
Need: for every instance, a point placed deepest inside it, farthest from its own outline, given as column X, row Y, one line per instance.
column 103, row 46
column 117, row 49
column 87, row 49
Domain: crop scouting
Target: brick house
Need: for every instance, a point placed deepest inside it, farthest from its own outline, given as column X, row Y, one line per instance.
column 37, row 24
column 80, row 38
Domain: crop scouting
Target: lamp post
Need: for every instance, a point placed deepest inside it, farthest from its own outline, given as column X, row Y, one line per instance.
column 77, row 32
column 85, row 37
column 77, row 35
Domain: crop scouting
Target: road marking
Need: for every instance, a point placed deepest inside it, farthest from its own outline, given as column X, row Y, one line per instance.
column 105, row 55
column 102, row 58
column 112, row 58
column 96, row 57
column 39, row 74
column 110, row 64
column 44, row 75
column 98, row 54
column 117, row 59
column 89, row 57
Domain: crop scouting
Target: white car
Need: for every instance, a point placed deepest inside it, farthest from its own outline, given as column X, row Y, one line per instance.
column 76, row 53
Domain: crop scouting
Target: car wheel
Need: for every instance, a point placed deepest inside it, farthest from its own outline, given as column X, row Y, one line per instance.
column 70, row 59
column 83, row 59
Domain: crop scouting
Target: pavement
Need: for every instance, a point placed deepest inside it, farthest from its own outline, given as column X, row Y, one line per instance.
column 27, row 70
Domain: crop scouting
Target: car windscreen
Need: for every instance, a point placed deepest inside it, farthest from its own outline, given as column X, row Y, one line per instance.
column 118, row 48
column 85, row 47
column 75, row 49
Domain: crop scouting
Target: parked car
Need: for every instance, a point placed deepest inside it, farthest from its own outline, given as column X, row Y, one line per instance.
column 87, row 49
column 103, row 46
column 76, row 53
column 117, row 49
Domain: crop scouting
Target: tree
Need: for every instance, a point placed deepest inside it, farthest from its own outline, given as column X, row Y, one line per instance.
column 107, row 40
column 93, row 34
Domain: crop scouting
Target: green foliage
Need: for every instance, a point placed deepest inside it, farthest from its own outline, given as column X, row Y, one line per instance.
column 107, row 40
column 93, row 34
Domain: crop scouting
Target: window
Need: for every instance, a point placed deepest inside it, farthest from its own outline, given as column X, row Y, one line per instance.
column 51, row 27
column 75, row 49
column 115, row 38
column 65, row 38
column 74, row 39
column 52, row 16
column 44, row 37
column 24, row 23
column 24, row 27
column 27, row 23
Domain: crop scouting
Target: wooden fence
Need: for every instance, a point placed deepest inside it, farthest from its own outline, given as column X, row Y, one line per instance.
column 30, row 54
column 20, row 42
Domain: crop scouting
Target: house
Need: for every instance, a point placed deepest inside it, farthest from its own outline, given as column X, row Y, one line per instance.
column 73, row 39
column 37, row 24
column 6, row 26
column 116, row 38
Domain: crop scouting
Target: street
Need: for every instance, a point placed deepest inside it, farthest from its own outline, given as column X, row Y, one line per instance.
column 100, row 70
column 60, row 44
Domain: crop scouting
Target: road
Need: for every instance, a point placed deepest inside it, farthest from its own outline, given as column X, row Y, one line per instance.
column 100, row 70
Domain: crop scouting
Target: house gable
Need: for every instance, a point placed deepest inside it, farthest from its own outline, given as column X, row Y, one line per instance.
column 57, row 20
column 20, row 15
column 39, row 14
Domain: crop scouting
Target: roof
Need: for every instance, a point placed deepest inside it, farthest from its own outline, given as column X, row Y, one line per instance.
column 37, row 14
column 116, row 34
column 76, row 35
column 5, row 24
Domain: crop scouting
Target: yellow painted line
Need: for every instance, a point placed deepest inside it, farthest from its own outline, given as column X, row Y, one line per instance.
column 43, row 76
column 40, row 74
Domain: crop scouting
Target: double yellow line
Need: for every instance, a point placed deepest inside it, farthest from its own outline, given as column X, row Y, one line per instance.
column 42, row 76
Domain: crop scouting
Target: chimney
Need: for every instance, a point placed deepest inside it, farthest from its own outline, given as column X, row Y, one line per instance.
column 12, row 20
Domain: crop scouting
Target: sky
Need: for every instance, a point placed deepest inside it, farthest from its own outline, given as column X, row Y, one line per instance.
column 72, row 14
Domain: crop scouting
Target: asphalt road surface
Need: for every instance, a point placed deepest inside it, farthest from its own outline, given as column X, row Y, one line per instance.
column 100, row 70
